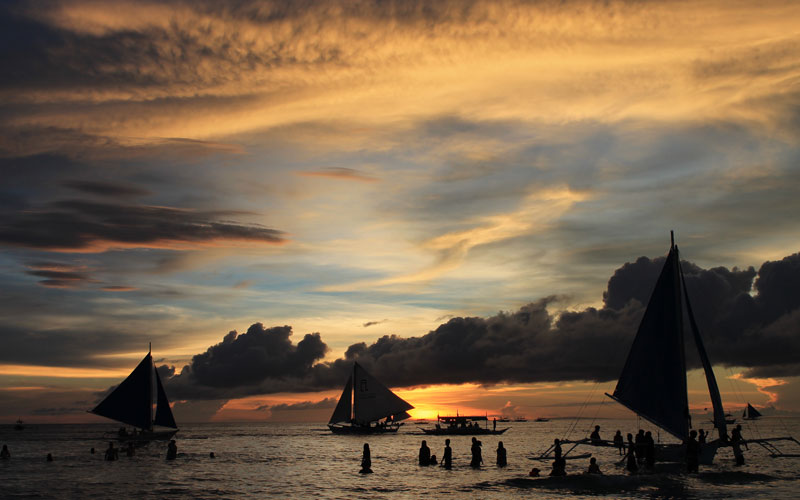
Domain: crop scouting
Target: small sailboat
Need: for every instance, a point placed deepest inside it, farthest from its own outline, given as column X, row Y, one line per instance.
column 19, row 425
column 131, row 403
column 367, row 407
column 751, row 413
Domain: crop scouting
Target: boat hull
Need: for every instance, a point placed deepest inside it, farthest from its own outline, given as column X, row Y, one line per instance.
column 146, row 436
column 677, row 453
column 463, row 432
column 361, row 430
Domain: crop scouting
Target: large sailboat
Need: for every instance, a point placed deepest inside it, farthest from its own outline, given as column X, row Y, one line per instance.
column 653, row 380
column 131, row 403
column 367, row 407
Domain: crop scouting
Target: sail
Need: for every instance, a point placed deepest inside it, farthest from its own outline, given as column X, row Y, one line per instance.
column 653, row 381
column 163, row 411
column 711, row 380
column 132, row 401
column 342, row 411
column 751, row 413
column 374, row 401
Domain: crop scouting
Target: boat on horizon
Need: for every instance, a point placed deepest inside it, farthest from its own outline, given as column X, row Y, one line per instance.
column 751, row 413
column 131, row 403
column 463, row 425
column 19, row 425
column 367, row 407
column 542, row 419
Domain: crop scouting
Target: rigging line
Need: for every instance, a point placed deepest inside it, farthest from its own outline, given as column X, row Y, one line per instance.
column 751, row 424
column 574, row 424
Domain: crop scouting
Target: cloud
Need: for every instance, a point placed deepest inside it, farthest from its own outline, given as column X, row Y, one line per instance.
column 342, row 173
column 373, row 323
column 109, row 189
column 243, row 364
column 529, row 345
column 304, row 405
column 86, row 226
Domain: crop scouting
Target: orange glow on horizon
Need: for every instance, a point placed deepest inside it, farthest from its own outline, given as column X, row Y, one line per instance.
column 62, row 372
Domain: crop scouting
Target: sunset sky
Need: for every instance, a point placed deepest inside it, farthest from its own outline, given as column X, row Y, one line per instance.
column 473, row 198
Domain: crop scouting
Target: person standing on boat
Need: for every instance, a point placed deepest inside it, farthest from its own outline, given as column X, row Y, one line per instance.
column 477, row 457
column 366, row 460
column 501, row 455
column 424, row 454
column 619, row 442
column 630, row 457
column 447, row 457
column 692, row 453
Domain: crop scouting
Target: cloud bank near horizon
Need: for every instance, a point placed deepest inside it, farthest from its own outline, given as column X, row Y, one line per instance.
column 755, row 331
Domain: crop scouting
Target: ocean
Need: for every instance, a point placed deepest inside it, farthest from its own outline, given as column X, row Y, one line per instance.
column 275, row 460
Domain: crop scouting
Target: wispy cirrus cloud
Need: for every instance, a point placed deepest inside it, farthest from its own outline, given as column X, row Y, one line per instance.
column 343, row 173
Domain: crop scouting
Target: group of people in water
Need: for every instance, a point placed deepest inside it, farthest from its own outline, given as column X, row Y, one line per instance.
column 111, row 452
column 639, row 453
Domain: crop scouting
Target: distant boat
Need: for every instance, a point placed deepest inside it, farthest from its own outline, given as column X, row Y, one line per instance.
column 18, row 425
column 729, row 419
column 131, row 403
column 504, row 419
column 367, row 406
column 463, row 425
column 751, row 413
column 542, row 419
column 520, row 419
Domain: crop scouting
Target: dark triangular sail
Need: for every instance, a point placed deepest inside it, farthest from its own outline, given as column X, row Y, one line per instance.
column 374, row 401
column 711, row 380
column 163, row 411
column 653, row 381
column 132, row 401
column 342, row 411
column 751, row 413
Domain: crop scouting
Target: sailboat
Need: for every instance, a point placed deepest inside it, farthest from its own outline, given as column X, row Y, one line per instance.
column 19, row 425
column 653, row 380
column 131, row 403
column 367, row 407
column 750, row 413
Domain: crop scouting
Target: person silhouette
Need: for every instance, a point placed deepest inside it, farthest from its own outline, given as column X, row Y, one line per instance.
column 701, row 437
column 49, row 457
column 111, row 452
column 619, row 442
column 595, row 435
column 501, row 455
column 556, row 449
column 736, row 439
column 477, row 458
column 366, row 461
column 692, row 453
column 447, row 457
column 630, row 456
column 593, row 467
column 211, row 455
column 130, row 451
column 172, row 450
column 424, row 454
column 649, row 450
column 5, row 453
column 640, row 446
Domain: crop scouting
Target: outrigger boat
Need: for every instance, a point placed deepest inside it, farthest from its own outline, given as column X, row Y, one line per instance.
column 367, row 407
column 653, row 381
column 462, row 425
column 131, row 403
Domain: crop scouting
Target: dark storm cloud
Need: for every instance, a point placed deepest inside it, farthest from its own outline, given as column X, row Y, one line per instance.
column 83, row 225
column 531, row 344
column 305, row 405
column 240, row 364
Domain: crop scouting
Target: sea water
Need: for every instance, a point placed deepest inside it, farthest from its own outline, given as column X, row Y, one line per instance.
column 272, row 460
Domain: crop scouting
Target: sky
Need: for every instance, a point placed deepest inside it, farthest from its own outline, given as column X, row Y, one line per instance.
column 471, row 198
